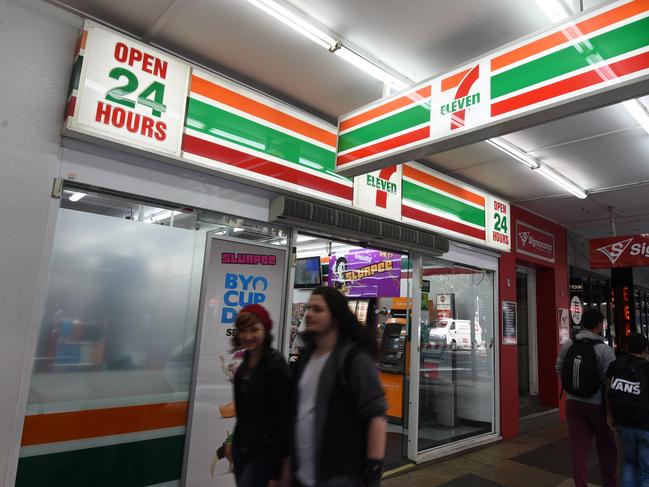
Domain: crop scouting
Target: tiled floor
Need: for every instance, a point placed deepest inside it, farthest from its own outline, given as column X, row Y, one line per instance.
column 538, row 459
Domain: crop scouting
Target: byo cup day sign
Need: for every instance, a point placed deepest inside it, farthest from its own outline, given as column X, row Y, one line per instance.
column 236, row 274
column 130, row 93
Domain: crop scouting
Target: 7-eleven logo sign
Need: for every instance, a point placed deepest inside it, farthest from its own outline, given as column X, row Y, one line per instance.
column 460, row 100
column 379, row 192
column 461, row 83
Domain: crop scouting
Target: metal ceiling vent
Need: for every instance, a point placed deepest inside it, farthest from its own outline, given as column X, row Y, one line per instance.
column 314, row 216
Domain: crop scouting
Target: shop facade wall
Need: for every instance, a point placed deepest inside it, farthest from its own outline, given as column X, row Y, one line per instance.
column 36, row 42
column 551, row 286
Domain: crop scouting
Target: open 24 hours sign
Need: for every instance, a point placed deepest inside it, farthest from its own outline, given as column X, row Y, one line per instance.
column 130, row 93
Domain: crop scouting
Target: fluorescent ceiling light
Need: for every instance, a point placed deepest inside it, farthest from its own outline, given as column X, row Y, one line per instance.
column 238, row 229
column 558, row 10
column 555, row 10
column 76, row 196
column 310, row 31
column 295, row 22
column 370, row 68
column 639, row 112
column 513, row 151
column 561, row 181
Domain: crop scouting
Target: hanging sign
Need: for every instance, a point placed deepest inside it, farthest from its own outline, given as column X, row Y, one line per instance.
column 237, row 274
column 498, row 218
column 627, row 251
column 130, row 93
column 593, row 60
column 380, row 192
column 534, row 242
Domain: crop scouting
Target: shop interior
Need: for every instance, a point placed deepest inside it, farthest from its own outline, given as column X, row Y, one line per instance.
column 456, row 377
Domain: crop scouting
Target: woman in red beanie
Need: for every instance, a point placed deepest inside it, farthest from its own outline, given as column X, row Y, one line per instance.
column 261, row 395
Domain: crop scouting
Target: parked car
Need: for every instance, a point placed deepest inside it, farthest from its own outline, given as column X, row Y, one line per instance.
column 455, row 334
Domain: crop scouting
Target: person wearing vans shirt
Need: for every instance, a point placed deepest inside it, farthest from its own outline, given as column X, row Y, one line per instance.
column 587, row 415
column 632, row 419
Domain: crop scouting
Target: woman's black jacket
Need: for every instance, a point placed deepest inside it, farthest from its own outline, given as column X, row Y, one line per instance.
column 262, row 407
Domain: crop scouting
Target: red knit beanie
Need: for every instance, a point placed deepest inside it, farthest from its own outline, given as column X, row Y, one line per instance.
column 261, row 313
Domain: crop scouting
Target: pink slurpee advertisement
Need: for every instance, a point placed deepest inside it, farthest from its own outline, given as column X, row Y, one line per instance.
column 366, row 273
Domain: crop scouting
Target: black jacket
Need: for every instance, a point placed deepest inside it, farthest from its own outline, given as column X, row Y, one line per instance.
column 262, row 405
column 349, row 396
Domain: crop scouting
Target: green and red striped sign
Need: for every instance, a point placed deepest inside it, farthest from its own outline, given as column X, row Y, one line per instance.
column 443, row 205
column 241, row 133
column 139, row 444
column 596, row 59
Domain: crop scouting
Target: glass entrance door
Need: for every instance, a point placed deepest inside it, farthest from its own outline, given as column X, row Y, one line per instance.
column 456, row 354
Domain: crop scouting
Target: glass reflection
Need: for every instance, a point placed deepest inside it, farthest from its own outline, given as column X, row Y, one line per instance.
column 456, row 394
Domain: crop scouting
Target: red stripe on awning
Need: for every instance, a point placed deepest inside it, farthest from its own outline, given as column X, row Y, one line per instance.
column 264, row 167
column 438, row 221
column 569, row 85
column 392, row 143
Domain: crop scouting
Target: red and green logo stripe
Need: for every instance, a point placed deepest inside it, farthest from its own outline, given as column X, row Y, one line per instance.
column 395, row 122
column 431, row 200
column 253, row 137
column 553, row 68
column 73, row 89
column 74, row 447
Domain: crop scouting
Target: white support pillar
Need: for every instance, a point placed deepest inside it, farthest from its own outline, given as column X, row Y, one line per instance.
column 415, row 345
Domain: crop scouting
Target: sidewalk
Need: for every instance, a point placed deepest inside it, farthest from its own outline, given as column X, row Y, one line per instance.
column 540, row 459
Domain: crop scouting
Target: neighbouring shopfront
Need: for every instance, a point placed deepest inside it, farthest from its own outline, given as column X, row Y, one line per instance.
column 534, row 279
column 157, row 246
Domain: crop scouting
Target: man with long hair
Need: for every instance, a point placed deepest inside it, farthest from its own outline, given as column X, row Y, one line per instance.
column 339, row 414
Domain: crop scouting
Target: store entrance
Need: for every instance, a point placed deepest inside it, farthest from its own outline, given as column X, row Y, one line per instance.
column 377, row 285
column 528, row 393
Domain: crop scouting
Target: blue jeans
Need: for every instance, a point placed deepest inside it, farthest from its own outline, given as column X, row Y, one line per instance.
column 635, row 446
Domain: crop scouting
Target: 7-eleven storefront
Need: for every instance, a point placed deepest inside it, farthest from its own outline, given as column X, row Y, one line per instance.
column 171, row 212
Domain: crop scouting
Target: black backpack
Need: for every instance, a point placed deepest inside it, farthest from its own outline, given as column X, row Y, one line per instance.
column 580, row 375
column 627, row 395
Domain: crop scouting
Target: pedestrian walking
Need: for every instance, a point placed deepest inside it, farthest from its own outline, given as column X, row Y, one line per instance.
column 582, row 365
column 628, row 402
column 261, row 397
column 339, row 405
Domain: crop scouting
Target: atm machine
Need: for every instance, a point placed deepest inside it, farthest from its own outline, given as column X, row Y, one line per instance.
column 394, row 362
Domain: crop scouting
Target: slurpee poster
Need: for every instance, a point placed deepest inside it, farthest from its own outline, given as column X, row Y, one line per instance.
column 366, row 273
column 236, row 274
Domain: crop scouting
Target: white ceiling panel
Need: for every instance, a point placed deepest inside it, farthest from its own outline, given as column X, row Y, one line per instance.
column 136, row 17
column 420, row 38
column 235, row 35
column 604, row 161
column 607, row 120
column 507, row 178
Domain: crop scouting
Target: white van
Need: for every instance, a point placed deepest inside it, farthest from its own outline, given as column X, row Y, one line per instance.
column 455, row 334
